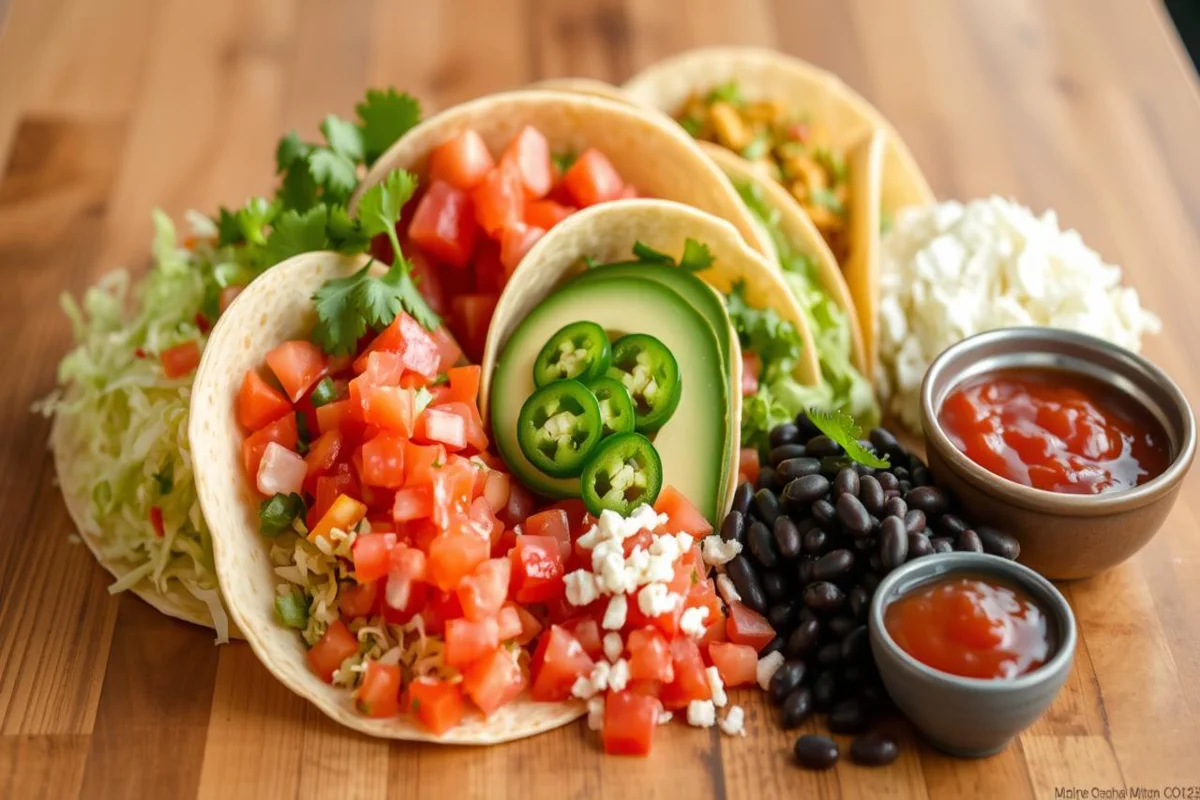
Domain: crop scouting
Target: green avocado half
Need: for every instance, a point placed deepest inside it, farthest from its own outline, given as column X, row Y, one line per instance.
column 693, row 444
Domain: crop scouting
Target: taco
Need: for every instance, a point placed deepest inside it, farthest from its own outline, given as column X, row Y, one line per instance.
column 317, row 575
column 632, row 269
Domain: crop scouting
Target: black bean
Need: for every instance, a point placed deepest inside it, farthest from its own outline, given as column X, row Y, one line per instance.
column 773, row 583
column 998, row 543
column 829, row 654
column 766, row 506
column 745, row 580
column 803, row 638
column 761, row 544
column 806, row 426
column 742, row 497
column 814, row 541
column 788, row 541
column 848, row 716
column 785, row 452
column 874, row 750
column 863, row 544
column 918, row 546
column 874, row 696
column 794, row 468
column 929, row 499
column 789, row 675
column 887, row 480
column 853, row 675
column 783, row 615
column 888, row 494
column 797, row 706
column 895, row 507
column 853, row 516
column 950, row 525
column 859, row 600
column 825, row 690
column 821, row 446
column 871, row 580
column 876, row 564
column 871, row 493
column 884, row 442
column 774, row 646
column 942, row 544
column 833, row 565
column 893, row 543
column 921, row 476
column 906, row 487
column 856, row 646
column 846, row 482
column 823, row 511
column 784, row 433
column 914, row 521
column 901, row 473
column 806, row 489
column 768, row 479
column 815, row 752
column 822, row 596
column 863, row 470
column 841, row 626
column 733, row 527
column 968, row 542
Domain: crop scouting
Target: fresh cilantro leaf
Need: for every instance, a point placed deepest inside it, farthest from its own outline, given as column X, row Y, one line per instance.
column 564, row 161
column 165, row 478
column 348, row 307
column 841, row 427
column 298, row 190
column 296, row 233
column 276, row 514
column 335, row 173
column 345, row 233
column 229, row 230
column 290, row 150
column 728, row 92
column 385, row 116
column 291, row 610
column 821, row 196
column 645, row 252
column 696, row 256
column 339, row 327
column 344, row 137
column 763, row 332
column 380, row 206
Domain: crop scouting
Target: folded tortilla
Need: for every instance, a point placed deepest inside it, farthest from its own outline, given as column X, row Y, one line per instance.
column 276, row 307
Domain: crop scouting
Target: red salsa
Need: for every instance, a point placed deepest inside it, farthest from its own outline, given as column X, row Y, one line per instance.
column 1056, row 430
column 973, row 626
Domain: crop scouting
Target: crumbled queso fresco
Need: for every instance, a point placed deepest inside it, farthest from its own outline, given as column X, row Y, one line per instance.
column 949, row 271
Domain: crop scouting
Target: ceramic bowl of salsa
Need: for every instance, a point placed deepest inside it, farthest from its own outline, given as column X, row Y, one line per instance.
column 972, row 648
column 1075, row 446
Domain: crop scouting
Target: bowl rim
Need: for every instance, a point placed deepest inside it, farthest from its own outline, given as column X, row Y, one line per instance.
column 934, row 566
column 1040, row 499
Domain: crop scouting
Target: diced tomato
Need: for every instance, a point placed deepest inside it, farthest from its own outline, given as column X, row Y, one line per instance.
column 713, row 632
column 258, row 403
column 428, row 276
column 297, row 365
column 421, row 353
column 629, row 722
column 444, row 225
column 751, row 367
column 557, row 662
column 344, row 514
column 156, row 521
column 181, row 359
column 499, row 199
column 381, row 367
column 504, row 544
column 322, row 455
column 281, row 471
column 737, row 664
column 383, row 460
column 691, row 683
column 482, row 593
column 530, row 625
column 586, row 631
column 748, row 464
column 328, row 487
column 404, row 591
column 648, row 688
column 371, row 556
column 592, row 179
column 420, row 462
column 437, row 704
column 455, row 553
column 515, row 241
column 413, row 502
column 468, row 640
column 495, row 489
column 520, row 505
column 441, row 607
column 490, row 275
column 390, row 407
column 462, row 161
column 682, row 516
column 529, row 153
column 464, row 383
column 667, row 622
column 449, row 353
column 545, row 214
column 471, row 315
column 649, row 656
column 439, row 425
column 483, row 520
column 703, row 594
column 357, row 599
column 343, row 415
column 282, row 432
column 509, row 622
column 552, row 522
column 473, row 429
column 747, row 626
column 453, row 490
column 494, row 680
column 537, row 574
column 335, row 646
column 379, row 693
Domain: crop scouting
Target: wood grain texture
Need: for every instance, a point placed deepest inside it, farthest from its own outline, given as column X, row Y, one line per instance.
column 108, row 109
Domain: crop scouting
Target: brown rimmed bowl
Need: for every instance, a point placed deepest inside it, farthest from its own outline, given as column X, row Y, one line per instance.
column 1062, row 536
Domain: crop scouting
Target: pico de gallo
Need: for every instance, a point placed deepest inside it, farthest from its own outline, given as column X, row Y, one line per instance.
column 479, row 213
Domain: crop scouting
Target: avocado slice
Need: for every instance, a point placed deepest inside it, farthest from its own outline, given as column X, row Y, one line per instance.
column 692, row 445
column 702, row 297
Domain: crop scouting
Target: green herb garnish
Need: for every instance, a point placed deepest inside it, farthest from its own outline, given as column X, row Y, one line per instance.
column 291, row 610
column 696, row 256
column 841, row 427
column 324, row 392
column 279, row 513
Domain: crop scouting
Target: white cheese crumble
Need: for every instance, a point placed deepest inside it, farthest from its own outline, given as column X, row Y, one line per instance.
column 654, row 600
column 664, row 717
column 701, row 713
column 581, row 587
column 766, row 667
column 728, row 591
column 692, row 621
column 614, row 615
column 595, row 717
column 613, row 646
column 734, row 722
column 717, row 551
column 717, row 686
column 618, row 675
column 949, row 271
column 587, row 686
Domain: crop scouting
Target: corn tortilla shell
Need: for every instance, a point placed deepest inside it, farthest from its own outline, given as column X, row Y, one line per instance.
column 862, row 267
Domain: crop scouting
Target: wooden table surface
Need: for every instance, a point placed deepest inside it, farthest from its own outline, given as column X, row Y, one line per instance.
column 109, row 108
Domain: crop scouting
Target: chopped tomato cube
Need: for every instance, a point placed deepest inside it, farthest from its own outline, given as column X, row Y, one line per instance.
column 468, row 640
column 281, row 471
column 442, row 606
column 682, row 516
column 371, row 556
column 486, row 269
column 335, row 646
column 629, row 722
column 390, row 407
column 537, row 574
column 713, row 632
column 748, row 465
column 437, row 704
column 482, row 593
column 751, row 367
column 297, row 365
column 483, row 520
column 592, row 179
column 383, row 460
column 181, row 359
column 494, row 680
column 515, row 241
column 344, row 514
column 323, row 454
column 499, row 199
column 425, row 273
column 470, row 317
column 747, row 626
column 381, row 367
column 509, row 622
column 473, row 429
column 557, row 662
column 529, row 153
column 691, row 682
column 530, row 625
column 552, row 522
column 258, row 403
column 455, row 553
column 357, row 599
column 462, row 161
column 444, row 225
column 282, row 431
column 545, row 214
column 379, row 693
column 464, row 383
column 736, row 663
column 453, row 491
column 520, row 505
column 343, row 415
column 449, row 353
column 667, row 622
column 649, row 656
column 586, row 631
column 439, row 425
column 703, row 594
column 413, row 502
column 420, row 462
column 421, row 353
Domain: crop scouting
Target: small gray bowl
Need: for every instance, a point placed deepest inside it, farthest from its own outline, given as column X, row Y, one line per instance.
column 970, row 717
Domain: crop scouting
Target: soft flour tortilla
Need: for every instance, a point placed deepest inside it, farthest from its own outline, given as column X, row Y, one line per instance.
column 797, row 228
column 582, row 86
column 861, row 269
column 276, row 307
column 650, row 152
column 607, row 233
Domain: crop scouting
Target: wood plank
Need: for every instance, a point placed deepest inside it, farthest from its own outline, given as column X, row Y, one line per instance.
column 1078, row 762
column 37, row 766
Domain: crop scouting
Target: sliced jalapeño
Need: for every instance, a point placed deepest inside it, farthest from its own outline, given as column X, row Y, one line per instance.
column 616, row 405
column 624, row 472
column 648, row 370
column 579, row 350
column 558, row 428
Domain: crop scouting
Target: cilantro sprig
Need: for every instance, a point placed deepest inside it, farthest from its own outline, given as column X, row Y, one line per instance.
column 841, row 427
column 696, row 257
